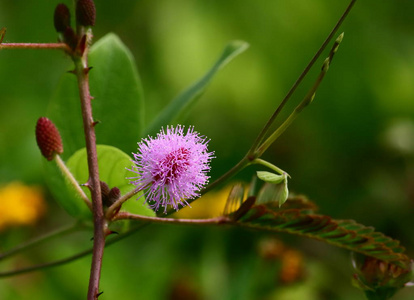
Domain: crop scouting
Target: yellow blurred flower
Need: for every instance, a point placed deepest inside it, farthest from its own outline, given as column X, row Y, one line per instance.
column 20, row 205
column 210, row 205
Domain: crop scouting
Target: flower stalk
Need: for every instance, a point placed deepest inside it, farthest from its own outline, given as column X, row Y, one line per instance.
column 72, row 180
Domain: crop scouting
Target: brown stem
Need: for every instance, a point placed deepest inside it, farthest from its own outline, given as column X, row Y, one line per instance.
column 82, row 74
column 129, row 216
column 59, row 46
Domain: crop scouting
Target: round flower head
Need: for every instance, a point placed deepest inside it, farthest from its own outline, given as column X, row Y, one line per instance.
column 172, row 167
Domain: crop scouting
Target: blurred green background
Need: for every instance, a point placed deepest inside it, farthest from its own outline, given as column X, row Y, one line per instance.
column 351, row 151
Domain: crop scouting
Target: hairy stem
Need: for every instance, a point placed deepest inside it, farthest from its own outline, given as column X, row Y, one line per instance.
column 58, row 46
column 82, row 74
column 266, row 128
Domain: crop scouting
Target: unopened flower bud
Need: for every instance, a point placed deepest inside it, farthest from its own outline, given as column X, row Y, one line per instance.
column 70, row 38
column 61, row 17
column 114, row 194
column 104, row 192
column 109, row 196
column 85, row 12
column 48, row 138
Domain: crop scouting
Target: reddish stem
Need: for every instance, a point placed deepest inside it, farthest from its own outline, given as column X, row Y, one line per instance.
column 59, row 46
column 82, row 73
column 127, row 215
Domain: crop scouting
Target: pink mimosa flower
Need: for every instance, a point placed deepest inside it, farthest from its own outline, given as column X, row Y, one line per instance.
column 172, row 167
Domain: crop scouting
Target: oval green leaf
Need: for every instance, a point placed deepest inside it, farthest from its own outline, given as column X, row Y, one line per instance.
column 270, row 177
column 117, row 104
column 113, row 164
column 64, row 193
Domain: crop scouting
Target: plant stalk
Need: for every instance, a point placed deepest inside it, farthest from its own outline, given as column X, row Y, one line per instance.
column 266, row 128
column 40, row 240
column 58, row 46
column 129, row 216
column 82, row 74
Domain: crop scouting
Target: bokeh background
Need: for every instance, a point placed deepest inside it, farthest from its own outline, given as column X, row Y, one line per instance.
column 351, row 151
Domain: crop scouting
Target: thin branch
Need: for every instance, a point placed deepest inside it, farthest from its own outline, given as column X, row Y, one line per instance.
column 40, row 240
column 305, row 102
column 244, row 162
column 129, row 216
column 115, row 206
column 266, row 128
column 64, row 169
column 269, row 165
column 70, row 258
column 57, row 46
column 253, row 153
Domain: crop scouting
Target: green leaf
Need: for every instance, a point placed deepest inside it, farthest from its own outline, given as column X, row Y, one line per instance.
column 270, row 177
column 274, row 192
column 113, row 164
column 342, row 233
column 64, row 193
column 117, row 104
column 178, row 107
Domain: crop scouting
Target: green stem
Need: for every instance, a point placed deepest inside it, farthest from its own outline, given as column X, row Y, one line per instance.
column 266, row 128
column 42, row 239
column 244, row 162
column 72, row 180
column 114, row 207
column 70, row 258
column 305, row 102
column 269, row 165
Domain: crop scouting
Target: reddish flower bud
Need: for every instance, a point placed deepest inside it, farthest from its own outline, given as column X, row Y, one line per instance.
column 61, row 17
column 48, row 138
column 104, row 192
column 70, row 38
column 85, row 12
column 109, row 196
column 114, row 194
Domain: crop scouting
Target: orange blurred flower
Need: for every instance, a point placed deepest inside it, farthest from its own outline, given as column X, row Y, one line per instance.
column 20, row 205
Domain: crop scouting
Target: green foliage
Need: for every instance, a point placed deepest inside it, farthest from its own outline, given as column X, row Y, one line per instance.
column 112, row 170
column 180, row 105
column 378, row 279
column 116, row 88
column 113, row 164
column 297, row 217
column 117, row 92
column 64, row 193
column 278, row 192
